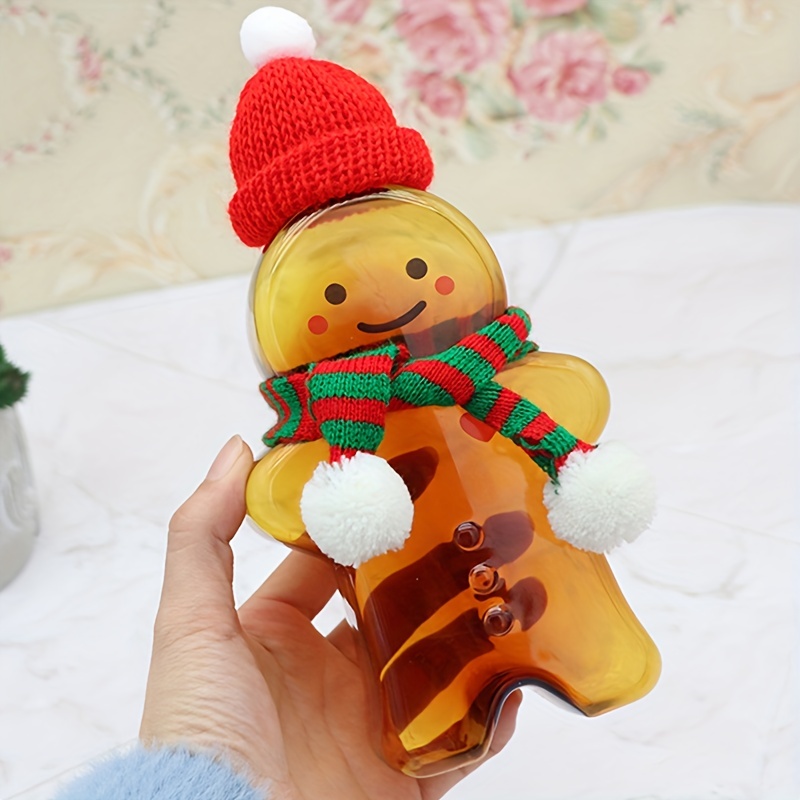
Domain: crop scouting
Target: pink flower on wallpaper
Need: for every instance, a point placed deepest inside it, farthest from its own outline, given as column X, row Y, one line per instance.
column 629, row 80
column 455, row 35
column 446, row 97
column 567, row 71
column 91, row 67
column 347, row 10
column 554, row 8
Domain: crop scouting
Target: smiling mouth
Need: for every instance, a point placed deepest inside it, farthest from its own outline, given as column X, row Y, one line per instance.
column 412, row 313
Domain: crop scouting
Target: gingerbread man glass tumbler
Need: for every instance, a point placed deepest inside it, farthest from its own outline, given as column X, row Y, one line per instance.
column 417, row 445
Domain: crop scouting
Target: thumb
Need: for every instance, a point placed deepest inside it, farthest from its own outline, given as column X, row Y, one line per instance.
column 198, row 574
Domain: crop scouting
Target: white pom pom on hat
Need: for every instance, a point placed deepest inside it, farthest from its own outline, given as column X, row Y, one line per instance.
column 356, row 508
column 271, row 32
column 603, row 498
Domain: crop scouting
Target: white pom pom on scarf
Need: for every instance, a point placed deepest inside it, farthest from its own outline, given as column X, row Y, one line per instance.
column 356, row 509
column 603, row 498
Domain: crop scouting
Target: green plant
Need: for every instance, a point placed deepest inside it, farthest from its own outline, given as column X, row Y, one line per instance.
column 13, row 381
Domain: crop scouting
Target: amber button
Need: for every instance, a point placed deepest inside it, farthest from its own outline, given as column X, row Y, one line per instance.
column 498, row 620
column 483, row 579
column 468, row 535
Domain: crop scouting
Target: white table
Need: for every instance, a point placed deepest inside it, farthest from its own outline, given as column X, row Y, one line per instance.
column 690, row 315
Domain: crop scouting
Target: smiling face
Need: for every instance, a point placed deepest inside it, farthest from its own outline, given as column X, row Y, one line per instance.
column 398, row 264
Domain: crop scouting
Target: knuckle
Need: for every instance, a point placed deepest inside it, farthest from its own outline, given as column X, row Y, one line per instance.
column 184, row 519
column 189, row 629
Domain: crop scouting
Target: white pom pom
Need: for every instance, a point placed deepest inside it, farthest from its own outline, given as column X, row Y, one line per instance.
column 603, row 498
column 270, row 32
column 356, row 509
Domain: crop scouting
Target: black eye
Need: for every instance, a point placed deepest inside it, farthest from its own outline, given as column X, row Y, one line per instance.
column 335, row 294
column 416, row 268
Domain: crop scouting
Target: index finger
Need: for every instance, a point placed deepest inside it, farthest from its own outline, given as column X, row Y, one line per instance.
column 303, row 581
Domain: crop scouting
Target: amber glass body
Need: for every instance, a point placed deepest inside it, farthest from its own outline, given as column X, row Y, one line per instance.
column 482, row 598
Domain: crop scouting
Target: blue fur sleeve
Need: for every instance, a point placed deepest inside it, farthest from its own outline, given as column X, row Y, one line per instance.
column 161, row 774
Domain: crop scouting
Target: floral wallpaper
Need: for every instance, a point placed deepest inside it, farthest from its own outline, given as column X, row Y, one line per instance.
column 113, row 148
column 478, row 73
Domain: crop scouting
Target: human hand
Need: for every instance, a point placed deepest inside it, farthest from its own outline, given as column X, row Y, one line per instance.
column 261, row 685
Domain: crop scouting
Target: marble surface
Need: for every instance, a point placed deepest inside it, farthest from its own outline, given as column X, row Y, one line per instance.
column 691, row 316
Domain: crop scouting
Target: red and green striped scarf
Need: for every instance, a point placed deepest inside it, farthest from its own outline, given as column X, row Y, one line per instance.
column 344, row 400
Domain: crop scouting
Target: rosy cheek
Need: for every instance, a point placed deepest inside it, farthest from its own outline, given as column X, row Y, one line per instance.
column 318, row 324
column 444, row 285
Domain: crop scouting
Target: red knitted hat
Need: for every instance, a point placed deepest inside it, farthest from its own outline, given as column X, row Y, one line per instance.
column 307, row 132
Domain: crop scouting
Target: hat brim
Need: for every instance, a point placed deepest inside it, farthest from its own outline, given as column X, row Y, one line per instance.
column 308, row 176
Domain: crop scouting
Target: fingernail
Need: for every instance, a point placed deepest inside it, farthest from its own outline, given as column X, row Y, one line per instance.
column 225, row 459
